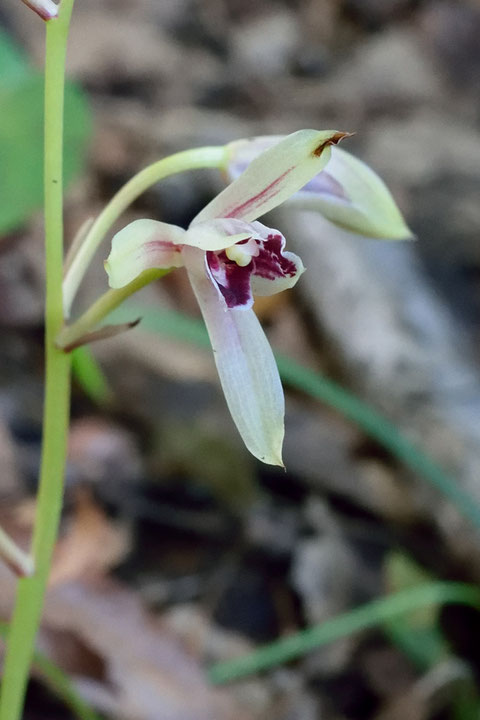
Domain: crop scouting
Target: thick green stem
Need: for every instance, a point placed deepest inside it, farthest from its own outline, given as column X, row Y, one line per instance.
column 205, row 157
column 31, row 591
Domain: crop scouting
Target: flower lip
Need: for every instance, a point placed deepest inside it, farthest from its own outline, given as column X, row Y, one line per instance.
column 261, row 257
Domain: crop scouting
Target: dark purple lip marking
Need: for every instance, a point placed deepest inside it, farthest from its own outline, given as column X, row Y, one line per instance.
column 264, row 195
column 233, row 281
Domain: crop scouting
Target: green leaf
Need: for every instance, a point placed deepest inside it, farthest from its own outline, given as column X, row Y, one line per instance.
column 89, row 375
column 21, row 135
column 15, row 67
column 21, row 146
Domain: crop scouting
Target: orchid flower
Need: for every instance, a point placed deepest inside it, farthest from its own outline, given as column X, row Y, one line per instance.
column 347, row 192
column 230, row 256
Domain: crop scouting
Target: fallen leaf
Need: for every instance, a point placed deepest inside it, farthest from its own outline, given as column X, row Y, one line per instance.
column 91, row 545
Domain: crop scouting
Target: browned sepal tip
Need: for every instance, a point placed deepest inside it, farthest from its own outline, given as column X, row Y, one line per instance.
column 103, row 333
column 333, row 140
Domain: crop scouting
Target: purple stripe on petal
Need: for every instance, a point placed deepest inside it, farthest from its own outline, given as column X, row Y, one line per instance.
column 258, row 199
column 154, row 246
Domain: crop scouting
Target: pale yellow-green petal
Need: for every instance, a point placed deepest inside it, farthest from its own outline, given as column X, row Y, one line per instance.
column 245, row 363
column 351, row 195
column 143, row 245
column 273, row 176
column 347, row 191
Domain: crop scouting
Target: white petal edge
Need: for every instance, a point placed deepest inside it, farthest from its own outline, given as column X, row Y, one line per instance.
column 142, row 245
column 273, row 176
column 246, row 366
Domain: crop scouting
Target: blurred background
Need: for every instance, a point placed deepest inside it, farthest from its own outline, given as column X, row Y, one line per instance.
column 177, row 549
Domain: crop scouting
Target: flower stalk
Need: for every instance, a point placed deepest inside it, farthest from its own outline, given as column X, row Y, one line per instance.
column 197, row 158
column 31, row 590
column 80, row 331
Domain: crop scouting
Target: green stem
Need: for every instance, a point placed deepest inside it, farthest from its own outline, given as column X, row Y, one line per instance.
column 70, row 336
column 205, row 157
column 31, row 591
column 60, row 683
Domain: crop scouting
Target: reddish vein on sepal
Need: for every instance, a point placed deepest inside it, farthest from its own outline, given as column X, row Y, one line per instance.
column 262, row 196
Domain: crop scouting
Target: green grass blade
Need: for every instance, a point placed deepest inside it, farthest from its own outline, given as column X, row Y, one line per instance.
column 380, row 429
column 89, row 375
column 367, row 616
column 63, row 687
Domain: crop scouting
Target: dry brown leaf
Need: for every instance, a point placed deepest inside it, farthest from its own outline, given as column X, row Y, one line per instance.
column 91, row 545
column 148, row 673
column 123, row 660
